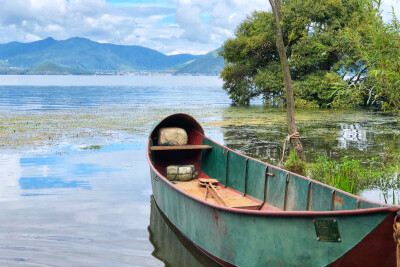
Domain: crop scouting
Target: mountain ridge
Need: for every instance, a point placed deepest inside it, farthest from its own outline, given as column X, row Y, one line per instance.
column 78, row 53
column 209, row 64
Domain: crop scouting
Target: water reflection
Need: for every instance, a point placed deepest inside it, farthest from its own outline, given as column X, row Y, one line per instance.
column 353, row 134
column 170, row 246
column 50, row 182
column 10, row 172
column 51, row 171
column 50, row 218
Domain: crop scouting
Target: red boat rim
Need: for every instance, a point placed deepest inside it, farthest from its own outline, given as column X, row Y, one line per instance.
column 197, row 127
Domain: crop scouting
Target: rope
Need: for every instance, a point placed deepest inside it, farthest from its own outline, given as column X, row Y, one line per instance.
column 287, row 139
column 396, row 237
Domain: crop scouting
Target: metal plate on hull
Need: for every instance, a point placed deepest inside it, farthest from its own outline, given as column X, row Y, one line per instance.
column 327, row 230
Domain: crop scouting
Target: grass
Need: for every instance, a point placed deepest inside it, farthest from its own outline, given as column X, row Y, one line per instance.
column 354, row 175
column 349, row 175
column 295, row 164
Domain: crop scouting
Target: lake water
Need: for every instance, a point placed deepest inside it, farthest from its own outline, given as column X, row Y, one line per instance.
column 75, row 185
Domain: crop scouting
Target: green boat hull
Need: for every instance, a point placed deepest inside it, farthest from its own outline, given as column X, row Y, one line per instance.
column 312, row 224
column 252, row 240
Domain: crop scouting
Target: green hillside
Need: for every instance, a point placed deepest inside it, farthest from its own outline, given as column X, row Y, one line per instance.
column 209, row 64
column 4, row 64
column 180, row 66
column 81, row 53
column 49, row 68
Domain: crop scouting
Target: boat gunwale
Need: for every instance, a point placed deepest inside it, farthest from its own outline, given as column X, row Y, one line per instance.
column 307, row 213
column 303, row 177
column 197, row 126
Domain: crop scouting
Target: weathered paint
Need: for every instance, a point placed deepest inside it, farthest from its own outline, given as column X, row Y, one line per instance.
column 180, row 251
column 344, row 202
column 236, row 172
column 376, row 249
column 321, row 197
column 258, row 238
column 362, row 204
column 297, row 193
column 276, row 187
column 256, row 179
column 214, row 161
column 249, row 239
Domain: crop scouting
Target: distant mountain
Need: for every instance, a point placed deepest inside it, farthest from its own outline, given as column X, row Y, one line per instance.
column 49, row 68
column 180, row 66
column 4, row 64
column 209, row 64
column 81, row 53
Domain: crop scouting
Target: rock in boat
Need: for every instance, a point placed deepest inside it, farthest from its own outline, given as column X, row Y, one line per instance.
column 268, row 216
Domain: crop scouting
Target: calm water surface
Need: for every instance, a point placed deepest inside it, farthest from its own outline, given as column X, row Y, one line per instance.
column 65, row 204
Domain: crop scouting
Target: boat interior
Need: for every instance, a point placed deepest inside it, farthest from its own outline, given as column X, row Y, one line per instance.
column 242, row 182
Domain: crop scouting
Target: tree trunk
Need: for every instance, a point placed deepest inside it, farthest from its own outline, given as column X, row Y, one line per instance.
column 287, row 79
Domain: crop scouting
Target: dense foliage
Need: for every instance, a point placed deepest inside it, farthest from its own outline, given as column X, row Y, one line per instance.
column 340, row 53
column 381, row 57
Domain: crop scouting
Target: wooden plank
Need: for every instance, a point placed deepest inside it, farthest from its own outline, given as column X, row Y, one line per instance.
column 216, row 195
column 185, row 147
column 241, row 203
column 209, row 185
column 203, row 190
column 204, row 181
column 205, row 193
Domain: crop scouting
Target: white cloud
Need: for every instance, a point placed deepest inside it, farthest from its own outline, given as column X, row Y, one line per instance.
column 169, row 26
column 190, row 26
column 205, row 22
column 188, row 18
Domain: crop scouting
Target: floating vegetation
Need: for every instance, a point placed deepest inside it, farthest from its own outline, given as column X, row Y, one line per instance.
column 92, row 147
column 257, row 131
column 44, row 128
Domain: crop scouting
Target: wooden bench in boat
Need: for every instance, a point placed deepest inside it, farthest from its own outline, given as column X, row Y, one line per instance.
column 232, row 198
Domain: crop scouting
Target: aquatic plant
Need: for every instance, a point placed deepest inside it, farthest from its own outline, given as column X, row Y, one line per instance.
column 349, row 175
column 295, row 164
column 92, row 147
column 389, row 184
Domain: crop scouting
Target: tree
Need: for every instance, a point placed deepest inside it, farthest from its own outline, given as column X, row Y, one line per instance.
column 379, row 78
column 287, row 79
column 252, row 67
column 320, row 54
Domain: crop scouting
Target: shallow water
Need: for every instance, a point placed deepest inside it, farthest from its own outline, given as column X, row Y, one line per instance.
column 66, row 203
column 76, row 208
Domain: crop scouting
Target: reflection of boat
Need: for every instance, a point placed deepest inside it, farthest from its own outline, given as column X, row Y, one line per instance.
column 268, row 216
column 170, row 245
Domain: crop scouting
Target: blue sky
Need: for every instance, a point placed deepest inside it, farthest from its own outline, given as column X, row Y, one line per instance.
column 169, row 26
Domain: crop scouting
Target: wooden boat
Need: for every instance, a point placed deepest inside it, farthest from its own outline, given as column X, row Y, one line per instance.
column 268, row 216
column 179, row 251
